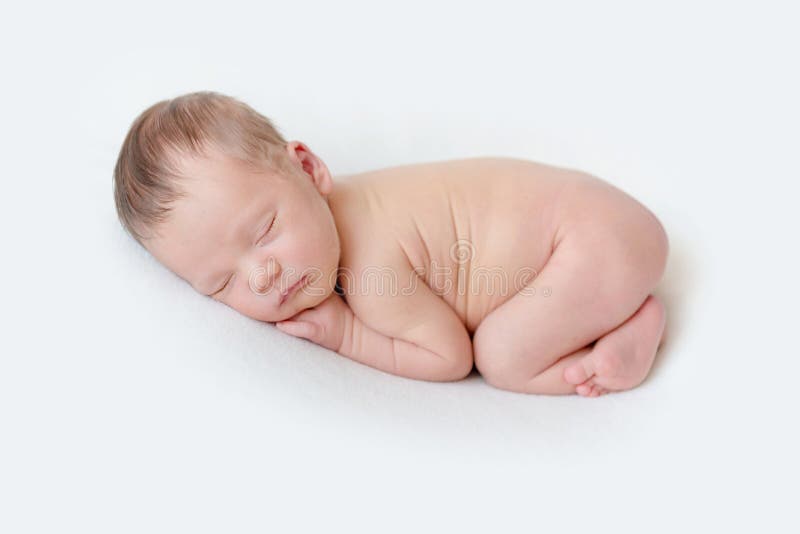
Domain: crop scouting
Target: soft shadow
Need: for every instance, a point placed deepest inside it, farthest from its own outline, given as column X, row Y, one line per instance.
column 679, row 281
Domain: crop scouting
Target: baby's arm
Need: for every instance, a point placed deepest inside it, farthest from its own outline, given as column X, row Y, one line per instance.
column 409, row 332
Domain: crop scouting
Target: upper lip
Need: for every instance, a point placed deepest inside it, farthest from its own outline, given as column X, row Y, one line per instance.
column 290, row 290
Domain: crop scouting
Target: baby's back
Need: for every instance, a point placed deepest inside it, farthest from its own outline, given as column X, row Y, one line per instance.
column 476, row 230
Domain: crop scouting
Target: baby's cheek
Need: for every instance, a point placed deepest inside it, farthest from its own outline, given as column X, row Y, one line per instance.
column 249, row 304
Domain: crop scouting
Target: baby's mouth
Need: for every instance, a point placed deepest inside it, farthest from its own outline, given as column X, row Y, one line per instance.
column 290, row 291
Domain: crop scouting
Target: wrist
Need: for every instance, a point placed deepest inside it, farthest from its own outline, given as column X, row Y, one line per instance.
column 348, row 327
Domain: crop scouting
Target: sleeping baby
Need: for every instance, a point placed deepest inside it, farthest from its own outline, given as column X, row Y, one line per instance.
column 538, row 276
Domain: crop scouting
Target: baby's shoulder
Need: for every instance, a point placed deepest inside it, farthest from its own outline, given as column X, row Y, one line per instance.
column 367, row 241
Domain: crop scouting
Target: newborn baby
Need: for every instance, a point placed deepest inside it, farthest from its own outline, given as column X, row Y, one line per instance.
column 539, row 276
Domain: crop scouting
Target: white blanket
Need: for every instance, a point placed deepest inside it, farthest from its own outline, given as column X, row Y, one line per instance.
column 130, row 403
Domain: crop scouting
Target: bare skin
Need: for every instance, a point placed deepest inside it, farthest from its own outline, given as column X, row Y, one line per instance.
column 511, row 215
column 539, row 276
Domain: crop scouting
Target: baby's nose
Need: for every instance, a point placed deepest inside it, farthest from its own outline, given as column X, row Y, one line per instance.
column 263, row 277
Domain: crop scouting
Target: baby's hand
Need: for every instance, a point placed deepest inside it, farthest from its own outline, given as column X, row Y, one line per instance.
column 323, row 324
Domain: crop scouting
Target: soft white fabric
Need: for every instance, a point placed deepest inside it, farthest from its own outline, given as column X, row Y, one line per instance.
column 129, row 403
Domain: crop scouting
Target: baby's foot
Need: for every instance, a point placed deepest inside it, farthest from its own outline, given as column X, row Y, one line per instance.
column 621, row 359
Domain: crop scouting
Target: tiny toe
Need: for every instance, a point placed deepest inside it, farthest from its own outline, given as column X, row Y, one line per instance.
column 583, row 389
column 579, row 372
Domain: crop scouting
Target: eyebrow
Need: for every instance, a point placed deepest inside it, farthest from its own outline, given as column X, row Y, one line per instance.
column 248, row 223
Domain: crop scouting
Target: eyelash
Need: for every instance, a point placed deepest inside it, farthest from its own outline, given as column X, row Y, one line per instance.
column 228, row 281
column 275, row 218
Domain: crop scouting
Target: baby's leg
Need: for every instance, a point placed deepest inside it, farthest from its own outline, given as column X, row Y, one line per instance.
column 622, row 358
column 599, row 278
column 619, row 360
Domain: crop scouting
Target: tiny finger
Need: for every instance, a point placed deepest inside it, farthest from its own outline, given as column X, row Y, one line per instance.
column 296, row 328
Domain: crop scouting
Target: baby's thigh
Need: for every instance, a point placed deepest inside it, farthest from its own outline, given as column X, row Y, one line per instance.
column 595, row 279
column 595, row 212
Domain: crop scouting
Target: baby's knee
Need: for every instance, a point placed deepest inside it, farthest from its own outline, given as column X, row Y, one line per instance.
column 497, row 359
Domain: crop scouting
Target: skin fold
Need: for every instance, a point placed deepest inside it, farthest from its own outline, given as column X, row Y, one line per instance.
column 538, row 276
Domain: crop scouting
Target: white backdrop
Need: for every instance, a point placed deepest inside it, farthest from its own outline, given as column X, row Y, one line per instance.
column 129, row 403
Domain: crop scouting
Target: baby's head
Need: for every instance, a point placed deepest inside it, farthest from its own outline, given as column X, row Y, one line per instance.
column 213, row 191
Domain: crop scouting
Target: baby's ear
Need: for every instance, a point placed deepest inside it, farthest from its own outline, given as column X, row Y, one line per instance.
column 312, row 165
column 323, row 179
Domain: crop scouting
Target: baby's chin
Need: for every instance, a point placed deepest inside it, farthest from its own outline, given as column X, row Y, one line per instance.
column 304, row 299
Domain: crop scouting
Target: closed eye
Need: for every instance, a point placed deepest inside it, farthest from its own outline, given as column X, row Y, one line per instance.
column 220, row 290
column 271, row 224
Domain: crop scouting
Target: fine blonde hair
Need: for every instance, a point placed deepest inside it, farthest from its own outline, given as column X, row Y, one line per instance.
column 147, row 175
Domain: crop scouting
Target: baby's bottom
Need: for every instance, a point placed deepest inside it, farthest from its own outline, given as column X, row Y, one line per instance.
column 595, row 288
